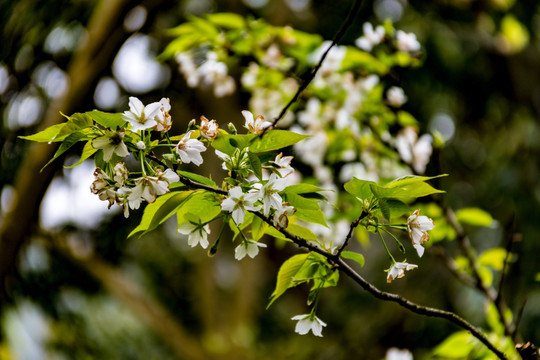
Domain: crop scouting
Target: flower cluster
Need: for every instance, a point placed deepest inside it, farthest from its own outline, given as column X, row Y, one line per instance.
column 210, row 73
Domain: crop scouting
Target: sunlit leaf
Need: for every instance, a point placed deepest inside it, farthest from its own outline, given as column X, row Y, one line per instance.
column 359, row 188
column 113, row 121
column 275, row 140
column 198, row 178
column 456, row 346
column 474, row 216
column 494, row 258
column 286, row 273
column 227, row 20
column 351, row 255
column 88, row 150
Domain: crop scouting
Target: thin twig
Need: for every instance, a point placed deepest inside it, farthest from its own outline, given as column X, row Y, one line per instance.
column 353, row 226
column 337, row 38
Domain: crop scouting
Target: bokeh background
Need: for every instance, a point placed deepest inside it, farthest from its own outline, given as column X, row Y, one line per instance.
column 77, row 288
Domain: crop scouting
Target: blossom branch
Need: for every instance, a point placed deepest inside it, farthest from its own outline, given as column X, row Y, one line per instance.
column 307, row 80
column 341, row 265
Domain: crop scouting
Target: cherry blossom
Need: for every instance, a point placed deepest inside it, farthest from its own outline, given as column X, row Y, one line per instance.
column 197, row 233
column 269, row 193
column 238, row 203
column 111, row 143
column 371, row 37
column 255, row 125
column 397, row 270
column 418, row 227
column 163, row 118
column 190, row 149
column 407, row 42
column 307, row 322
column 413, row 150
column 209, row 128
column 141, row 117
column 249, row 248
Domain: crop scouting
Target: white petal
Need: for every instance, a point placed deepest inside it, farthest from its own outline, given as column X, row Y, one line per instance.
column 136, row 106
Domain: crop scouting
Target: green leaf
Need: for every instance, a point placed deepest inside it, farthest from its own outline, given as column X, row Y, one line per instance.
column 410, row 180
column 68, row 142
column 301, row 232
column 474, row 216
column 385, row 209
column 88, row 150
column 227, row 20
column 197, row 178
column 202, row 204
column 302, row 188
column 494, row 258
column 286, row 273
column 397, row 207
column 112, row 121
column 47, row 135
column 255, row 164
column 275, row 140
column 258, row 228
column 408, row 191
column 351, row 255
column 359, row 188
column 306, row 209
column 223, row 142
column 457, row 346
column 160, row 210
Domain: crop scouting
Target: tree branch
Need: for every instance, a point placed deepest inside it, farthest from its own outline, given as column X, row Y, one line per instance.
column 307, row 80
column 341, row 265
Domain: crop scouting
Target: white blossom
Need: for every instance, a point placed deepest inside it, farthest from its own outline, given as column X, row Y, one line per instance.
column 111, row 143
column 397, row 270
column 307, row 322
column 249, row 248
column 168, row 175
column 371, row 37
column 396, row 96
column 197, row 234
column 141, row 117
column 255, row 125
column 141, row 145
column 283, row 164
column 146, row 188
column 209, row 128
column 407, row 42
column 163, row 118
column 120, row 174
column 238, row 203
column 281, row 215
column 418, row 227
column 398, row 354
column 269, row 193
column 190, row 149
column 413, row 150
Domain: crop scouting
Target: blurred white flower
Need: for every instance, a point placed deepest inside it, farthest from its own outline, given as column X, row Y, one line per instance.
column 396, row 96
column 397, row 270
column 407, row 42
column 307, row 322
column 371, row 37
column 398, row 354
column 418, row 227
column 413, row 150
column 163, row 118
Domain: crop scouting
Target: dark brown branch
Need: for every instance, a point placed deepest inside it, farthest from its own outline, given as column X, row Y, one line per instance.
column 422, row 310
column 307, row 80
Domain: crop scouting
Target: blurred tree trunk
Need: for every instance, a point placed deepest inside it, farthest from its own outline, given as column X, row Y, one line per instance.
column 97, row 50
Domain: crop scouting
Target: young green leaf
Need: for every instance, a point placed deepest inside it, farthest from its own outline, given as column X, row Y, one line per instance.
column 112, row 121
column 227, row 20
column 302, row 232
column 68, row 142
column 47, row 135
column 457, row 346
column 275, row 140
column 255, row 164
column 474, row 216
column 359, row 188
column 286, row 273
column 351, row 255
column 88, row 150
column 198, row 178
